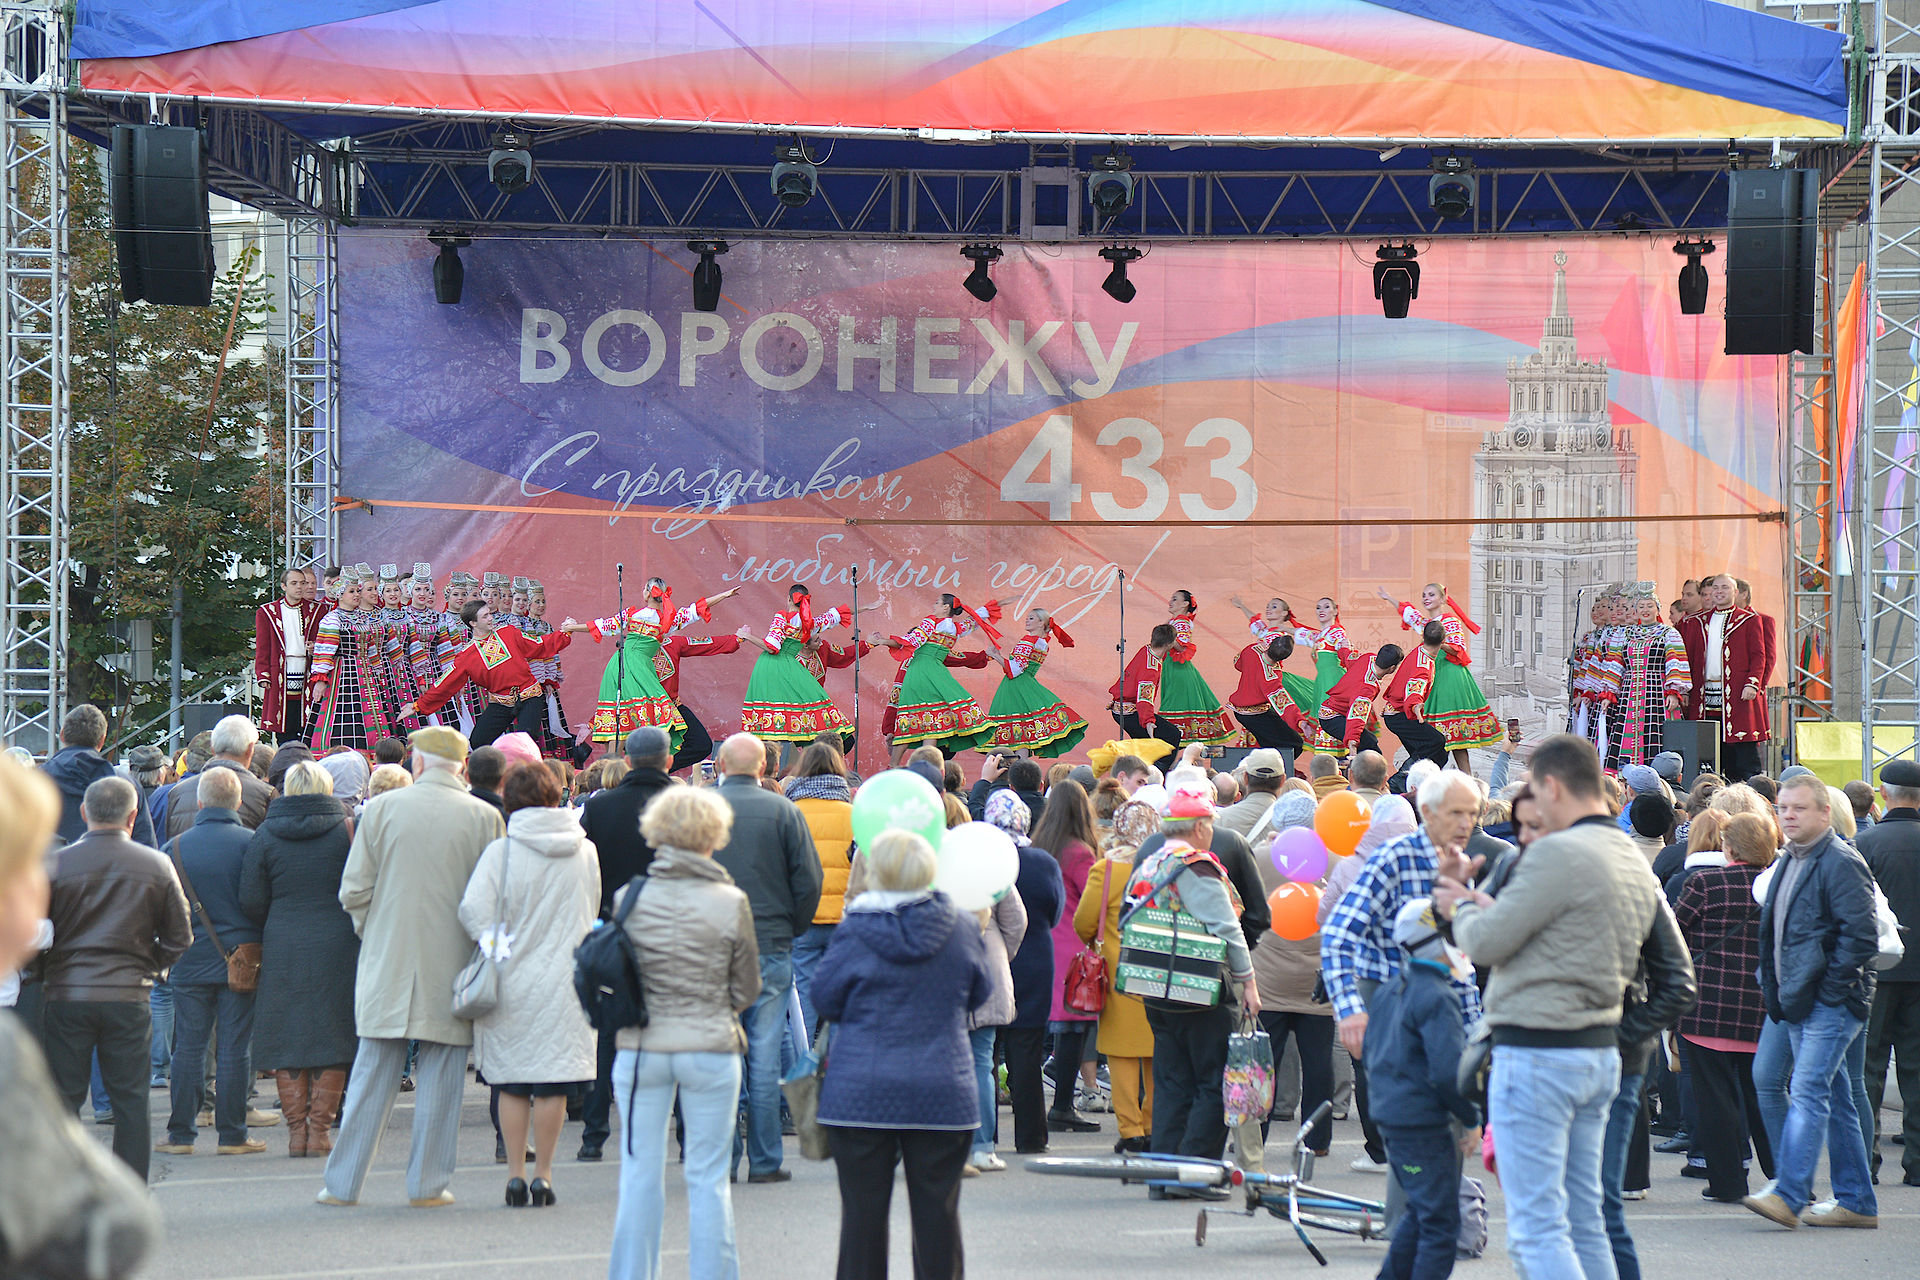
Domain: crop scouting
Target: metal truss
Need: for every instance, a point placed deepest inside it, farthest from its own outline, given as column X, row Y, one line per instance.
column 34, row 432
column 312, row 448
column 1812, row 491
column 425, row 186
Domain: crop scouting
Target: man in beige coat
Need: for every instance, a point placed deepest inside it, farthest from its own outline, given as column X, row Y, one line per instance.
column 412, row 856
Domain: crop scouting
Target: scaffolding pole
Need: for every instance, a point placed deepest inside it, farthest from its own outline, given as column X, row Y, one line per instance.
column 311, row 300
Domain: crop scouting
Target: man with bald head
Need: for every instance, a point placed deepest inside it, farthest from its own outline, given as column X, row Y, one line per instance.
column 770, row 856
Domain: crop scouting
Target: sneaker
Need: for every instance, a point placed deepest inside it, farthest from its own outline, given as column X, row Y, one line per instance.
column 433, row 1202
column 174, row 1148
column 1097, row 1100
column 103, row 1117
column 249, row 1147
column 1364, row 1163
column 1840, row 1216
column 262, row 1119
column 1641, row 1194
column 406, row 1084
column 158, row 1082
column 1773, row 1209
column 986, row 1162
column 1673, row 1146
column 968, row 1171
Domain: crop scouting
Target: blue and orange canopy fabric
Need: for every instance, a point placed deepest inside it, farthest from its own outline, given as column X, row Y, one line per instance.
column 1645, row 71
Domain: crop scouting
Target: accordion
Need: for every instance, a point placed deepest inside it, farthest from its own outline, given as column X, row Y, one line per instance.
column 1169, row 955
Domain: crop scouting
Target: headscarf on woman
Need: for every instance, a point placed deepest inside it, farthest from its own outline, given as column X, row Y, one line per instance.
column 350, row 773
column 1009, row 812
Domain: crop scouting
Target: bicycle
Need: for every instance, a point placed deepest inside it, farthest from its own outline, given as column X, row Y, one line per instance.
column 1284, row 1195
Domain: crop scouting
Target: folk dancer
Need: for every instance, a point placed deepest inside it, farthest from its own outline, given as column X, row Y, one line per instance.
column 559, row 741
column 284, row 631
column 1405, row 698
column 1266, row 691
column 1348, row 713
column 436, row 635
column 1186, row 701
column 1642, row 680
column 902, row 653
column 395, row 640
column 1726, row 662
column 1455, row 706
column 498, row 661
column 1136, row 694
column 1025, row 714
column 1769, row 629
column 1332, row 651
column 343, row 705
column 784, row 703
column 1586, row 717
column 630, row 690
column 934, row 707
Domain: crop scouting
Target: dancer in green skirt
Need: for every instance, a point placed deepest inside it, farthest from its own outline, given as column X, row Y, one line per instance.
column 1185, row 700
column 1026, row 715
column 630, row 690
column 934, row 708
column 1455, row 707
column 784, row 702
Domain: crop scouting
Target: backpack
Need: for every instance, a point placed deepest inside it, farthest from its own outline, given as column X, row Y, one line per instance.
column 606, row 970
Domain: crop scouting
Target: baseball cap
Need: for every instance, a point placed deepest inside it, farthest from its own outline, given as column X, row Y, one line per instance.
column 1264, row 763
column 1641, row 779
column 1668, row 765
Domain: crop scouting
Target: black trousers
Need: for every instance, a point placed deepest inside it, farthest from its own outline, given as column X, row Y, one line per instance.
column 1739, row 760
column 1893, row 1030
column 1130, row 727
column 864, row 1159
column 1313, row 1036
column 595, row 1113
column 293, row 717
column 1189, row 1063
column 1729, row 1110
column 1336, row 728
column 696, row 746
column 1069, row 1047
column 1269, row 730
column 497, row 720
column 1025, row 1050
column 72, row 1031
column 1422, row 740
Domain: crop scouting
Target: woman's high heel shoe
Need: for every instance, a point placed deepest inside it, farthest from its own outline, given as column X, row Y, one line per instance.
column 542, row 1192
column 516, row 1193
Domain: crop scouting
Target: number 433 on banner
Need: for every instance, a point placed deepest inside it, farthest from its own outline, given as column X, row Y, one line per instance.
column 1052, row 449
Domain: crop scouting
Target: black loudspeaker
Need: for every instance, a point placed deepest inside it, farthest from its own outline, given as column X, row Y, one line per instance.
column 1698, row 742
column 199, row 717
column 161, row 230
column 1773, row 221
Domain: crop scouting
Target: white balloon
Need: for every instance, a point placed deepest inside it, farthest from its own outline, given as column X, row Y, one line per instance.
column 977, row 863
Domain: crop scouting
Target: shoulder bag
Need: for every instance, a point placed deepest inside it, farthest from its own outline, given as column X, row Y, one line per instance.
column 1086, row 984
column 802, row 1089
column 243, row 962
column 476, row 988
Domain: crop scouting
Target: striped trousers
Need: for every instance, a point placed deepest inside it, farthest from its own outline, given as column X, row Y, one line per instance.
column 441, row 1077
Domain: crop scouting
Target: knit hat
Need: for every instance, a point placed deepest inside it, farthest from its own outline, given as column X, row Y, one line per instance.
column 1293, row 809
column 439, row 740
column 1083, row 774
column 1651, row 816
column 1008, row 812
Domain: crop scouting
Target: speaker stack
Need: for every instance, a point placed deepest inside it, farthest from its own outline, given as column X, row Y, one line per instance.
column 161, row 231
column 1773, row 221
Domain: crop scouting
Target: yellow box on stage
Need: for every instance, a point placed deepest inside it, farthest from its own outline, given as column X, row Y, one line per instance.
column 1831, row 748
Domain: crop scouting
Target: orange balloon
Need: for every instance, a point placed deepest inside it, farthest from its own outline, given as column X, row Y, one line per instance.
column 1341, row 819
column 1296, row 910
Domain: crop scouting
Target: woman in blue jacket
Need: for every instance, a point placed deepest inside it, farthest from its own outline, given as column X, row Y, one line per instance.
column 902, row 973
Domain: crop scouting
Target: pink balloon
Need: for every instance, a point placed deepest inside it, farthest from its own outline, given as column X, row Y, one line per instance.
column 1300, row 855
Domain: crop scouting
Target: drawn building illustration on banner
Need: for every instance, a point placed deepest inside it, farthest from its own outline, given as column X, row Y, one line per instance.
column 1559, row 456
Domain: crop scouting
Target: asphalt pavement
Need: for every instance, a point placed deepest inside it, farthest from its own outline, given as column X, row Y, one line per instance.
column 242, row 1217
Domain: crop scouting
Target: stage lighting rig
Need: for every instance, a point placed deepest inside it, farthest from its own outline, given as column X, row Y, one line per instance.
column 1396, row 278
column 706, row 273
column 1693, row 276
column 449, row 274
column 978, row 282
column 796, row 175
column 1116, row 285
column 1453, row 191
column 510, row 163
column 1110, row 184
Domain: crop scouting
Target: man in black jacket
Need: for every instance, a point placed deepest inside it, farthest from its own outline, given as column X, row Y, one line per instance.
column 1892, row 850
column 78, row 764
column 1817, row 943
column 612, row 821
column 486, row 769
column 1021, row 776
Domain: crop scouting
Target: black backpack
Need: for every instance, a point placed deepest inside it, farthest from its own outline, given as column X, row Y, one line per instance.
column 606, row 971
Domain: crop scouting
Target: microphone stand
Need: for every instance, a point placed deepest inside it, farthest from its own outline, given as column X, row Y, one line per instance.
column 856, row 671
column 619, row 657
column 1121, row 648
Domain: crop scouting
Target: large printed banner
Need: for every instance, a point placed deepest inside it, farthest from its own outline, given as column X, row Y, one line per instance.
column 1249, row 425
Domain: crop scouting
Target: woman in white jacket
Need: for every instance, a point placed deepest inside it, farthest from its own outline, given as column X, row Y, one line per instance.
column 532, row 897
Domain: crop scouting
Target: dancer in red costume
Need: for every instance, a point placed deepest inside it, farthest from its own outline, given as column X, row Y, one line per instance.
column 498, row 661
column 1727, row 664
column 784, row 702
column 1455, row 706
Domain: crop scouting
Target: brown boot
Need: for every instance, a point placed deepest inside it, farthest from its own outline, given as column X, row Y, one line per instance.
column 295, row 1091
column 329, row 1088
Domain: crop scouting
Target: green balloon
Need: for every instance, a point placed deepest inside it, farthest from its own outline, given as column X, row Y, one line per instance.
column 898, row 799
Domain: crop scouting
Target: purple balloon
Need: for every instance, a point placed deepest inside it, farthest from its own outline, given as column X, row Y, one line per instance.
column 1300, row 855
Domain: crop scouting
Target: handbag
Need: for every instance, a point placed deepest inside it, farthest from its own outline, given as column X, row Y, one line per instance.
column 243, row 962
column 1086, row 986
column 476, row 988
column 1890, row 949
column 802, row 1090
column 1246, row 1087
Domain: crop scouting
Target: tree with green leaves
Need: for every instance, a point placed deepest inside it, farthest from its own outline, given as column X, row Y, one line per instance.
column 174, row 466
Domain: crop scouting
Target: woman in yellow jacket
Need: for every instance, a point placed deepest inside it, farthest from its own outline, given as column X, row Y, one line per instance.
column 818, row 787
column 1124, row 1039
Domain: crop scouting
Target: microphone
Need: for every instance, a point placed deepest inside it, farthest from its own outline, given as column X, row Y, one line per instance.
column 620, row 568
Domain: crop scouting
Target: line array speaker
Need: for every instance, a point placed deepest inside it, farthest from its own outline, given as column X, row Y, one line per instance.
column 161, row 231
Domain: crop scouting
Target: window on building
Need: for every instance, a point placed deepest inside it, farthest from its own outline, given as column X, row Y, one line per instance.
column 1496, row 606
column 1519, row 571
column 1539, row 606
column 1499, row 570
column 1533, row 398
column 1519, row 643
column 1519, row 495
column 1539, row 533
column 1499, row 495
column 1539, row 643
column 1540, row 495
column 1496, row 636
column 1539, row 571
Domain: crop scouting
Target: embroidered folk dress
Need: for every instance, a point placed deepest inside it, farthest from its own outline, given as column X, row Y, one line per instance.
column 346, row 657
column 1186, row 701
column 933, row 706
column 784, row 702
column 630, row 690
column 1456, row 707
column 1026, row 715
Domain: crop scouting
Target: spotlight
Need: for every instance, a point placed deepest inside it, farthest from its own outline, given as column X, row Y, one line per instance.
column 978, row 282
column 706, row 273
column 1693, row 276
column 1110, row 185
column 795, row 176
column 1452, row 191
column 1116, row 285
column 449, row 275
column 1396, row 278
column 510, row 163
